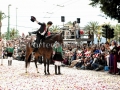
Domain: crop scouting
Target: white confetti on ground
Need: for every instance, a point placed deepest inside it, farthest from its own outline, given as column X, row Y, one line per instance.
column 14, row 78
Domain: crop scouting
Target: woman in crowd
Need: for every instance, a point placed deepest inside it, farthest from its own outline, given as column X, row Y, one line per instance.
column 113, row 58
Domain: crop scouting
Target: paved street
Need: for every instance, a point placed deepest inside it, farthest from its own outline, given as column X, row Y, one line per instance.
column 14, row 78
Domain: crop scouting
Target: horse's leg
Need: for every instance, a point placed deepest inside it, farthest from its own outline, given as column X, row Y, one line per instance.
column 28, row 57
column 36, row 65
column 44, row 60
column 48, row 66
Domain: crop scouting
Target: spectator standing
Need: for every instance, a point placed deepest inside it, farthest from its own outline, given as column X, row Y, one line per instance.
column 57, row 57
column 1, row 51
column 113, row 58
column 77, row 29
column 10, row 50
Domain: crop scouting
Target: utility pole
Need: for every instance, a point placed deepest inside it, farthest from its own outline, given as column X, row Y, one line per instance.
column 8, row 36
column 16, row 23
column 16, row 18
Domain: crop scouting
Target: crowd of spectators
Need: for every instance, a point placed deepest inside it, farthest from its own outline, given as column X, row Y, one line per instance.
column 93, row 57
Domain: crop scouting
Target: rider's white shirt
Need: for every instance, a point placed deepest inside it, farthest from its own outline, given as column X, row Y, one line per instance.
column 43, row 32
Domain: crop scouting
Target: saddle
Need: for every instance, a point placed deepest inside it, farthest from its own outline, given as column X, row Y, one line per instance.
column 34, row 44
column 48, row 37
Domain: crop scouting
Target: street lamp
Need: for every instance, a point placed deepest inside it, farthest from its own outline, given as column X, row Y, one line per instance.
column 16, row 18
column 16, row 23
column 1, row 22
column 8, row 36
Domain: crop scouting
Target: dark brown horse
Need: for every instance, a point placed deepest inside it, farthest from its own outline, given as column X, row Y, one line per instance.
column 45, row 50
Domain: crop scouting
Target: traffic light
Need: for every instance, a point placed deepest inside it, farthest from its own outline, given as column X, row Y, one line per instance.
column 104, row 31
column 108, row 33
column 112, row 33
column 78, row 20
column 62, row 19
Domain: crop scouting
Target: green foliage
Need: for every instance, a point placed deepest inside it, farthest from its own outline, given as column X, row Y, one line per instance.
column 2, row 16
column 92, row 26
column 54, row 29
column 117, row 32
column 111, row 8
column 13, row 33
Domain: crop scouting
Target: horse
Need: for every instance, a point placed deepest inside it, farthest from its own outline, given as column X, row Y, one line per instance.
column 44, row 50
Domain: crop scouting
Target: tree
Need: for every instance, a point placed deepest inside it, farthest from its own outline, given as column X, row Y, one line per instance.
column 13, row 33
column 2, row 16
column 54, row 29
column 110, row 8
column 92, row 26
column 117, row 32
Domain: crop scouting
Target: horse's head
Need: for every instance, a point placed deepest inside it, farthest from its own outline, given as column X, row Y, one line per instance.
column 58, row 37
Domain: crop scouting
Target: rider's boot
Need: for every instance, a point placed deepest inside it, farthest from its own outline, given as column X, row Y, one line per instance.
column 36, row 47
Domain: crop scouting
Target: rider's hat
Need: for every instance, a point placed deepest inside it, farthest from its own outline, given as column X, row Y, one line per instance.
column 33, row 18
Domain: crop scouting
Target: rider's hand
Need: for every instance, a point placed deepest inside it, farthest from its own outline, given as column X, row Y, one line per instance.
column 33, row 18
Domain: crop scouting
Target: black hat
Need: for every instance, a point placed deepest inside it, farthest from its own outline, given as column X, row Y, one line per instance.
column 50, row 23
column 33, row 18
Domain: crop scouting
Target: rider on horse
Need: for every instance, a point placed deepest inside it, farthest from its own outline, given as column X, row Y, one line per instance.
column 41, row 32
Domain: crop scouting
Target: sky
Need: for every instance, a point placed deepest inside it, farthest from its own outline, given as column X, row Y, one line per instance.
column 49, row 10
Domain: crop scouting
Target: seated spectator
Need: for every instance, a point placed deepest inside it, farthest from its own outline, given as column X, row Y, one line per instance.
column 80, row 63
column 99, row 63
column 84, row 64
column 88, row 63
column 74, row 56
column 22, row 55
column 74, row 62
column 15, row 52
column 65, row 61
column 96, row 50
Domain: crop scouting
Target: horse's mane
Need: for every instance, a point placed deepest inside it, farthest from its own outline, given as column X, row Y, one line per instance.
column 51, row 38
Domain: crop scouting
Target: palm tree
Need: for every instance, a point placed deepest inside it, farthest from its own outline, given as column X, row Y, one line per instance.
column 13, row 33
column 92, row 27
column 2, row 16
column 54, row 29
column 117, row 32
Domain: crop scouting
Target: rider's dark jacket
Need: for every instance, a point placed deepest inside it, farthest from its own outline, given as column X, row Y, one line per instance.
column 41, row 29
